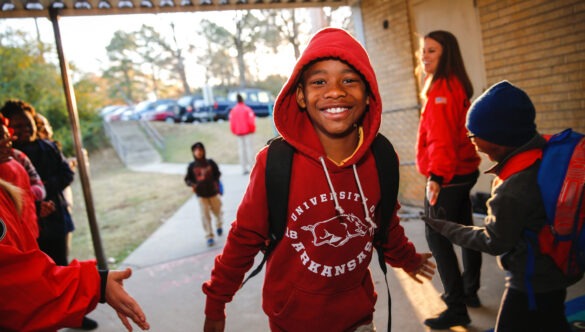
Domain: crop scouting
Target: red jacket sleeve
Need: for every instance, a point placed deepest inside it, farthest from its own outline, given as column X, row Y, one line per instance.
column 36, row 293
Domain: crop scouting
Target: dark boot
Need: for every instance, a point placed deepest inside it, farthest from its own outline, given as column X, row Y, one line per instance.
column 472, row 301
column 448, row 318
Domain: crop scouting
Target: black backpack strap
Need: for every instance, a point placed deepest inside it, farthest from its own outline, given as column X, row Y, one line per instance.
column 278, row 170
column 389, row 176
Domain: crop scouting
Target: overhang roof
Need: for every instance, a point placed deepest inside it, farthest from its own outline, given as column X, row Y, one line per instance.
column 39, row 8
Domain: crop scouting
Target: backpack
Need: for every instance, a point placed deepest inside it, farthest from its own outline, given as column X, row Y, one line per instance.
column 561, row 179
column 278, row 174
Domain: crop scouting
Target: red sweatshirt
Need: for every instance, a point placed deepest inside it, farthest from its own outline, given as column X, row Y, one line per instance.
column 242, row 120
column 317, row 278
column 37, row 295
column 443, row 148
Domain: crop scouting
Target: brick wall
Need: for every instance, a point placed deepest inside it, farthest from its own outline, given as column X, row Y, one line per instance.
column 539, row 45
column 392, row 55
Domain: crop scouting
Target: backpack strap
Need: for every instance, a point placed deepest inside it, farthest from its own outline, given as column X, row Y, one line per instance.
column 277, row 178
column 388, row 175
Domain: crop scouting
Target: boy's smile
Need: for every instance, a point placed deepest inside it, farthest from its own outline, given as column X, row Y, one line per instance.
column 334, row 96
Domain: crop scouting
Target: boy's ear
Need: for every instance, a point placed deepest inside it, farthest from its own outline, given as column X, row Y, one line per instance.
column 301, row 97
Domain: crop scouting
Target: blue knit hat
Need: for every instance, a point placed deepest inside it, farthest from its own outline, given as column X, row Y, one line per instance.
column 503, row 115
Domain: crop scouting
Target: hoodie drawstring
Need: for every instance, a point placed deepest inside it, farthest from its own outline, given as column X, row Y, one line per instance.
column 338, row 207
column 366, row 211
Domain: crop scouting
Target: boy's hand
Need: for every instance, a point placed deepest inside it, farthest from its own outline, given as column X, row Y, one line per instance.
column 125, row 306
column 425, row 269
column 213, row 325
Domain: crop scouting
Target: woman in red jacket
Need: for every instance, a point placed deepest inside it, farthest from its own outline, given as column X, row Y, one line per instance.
column 447, row 158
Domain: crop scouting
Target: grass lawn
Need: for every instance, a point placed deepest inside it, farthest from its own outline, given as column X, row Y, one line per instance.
column 129, row 205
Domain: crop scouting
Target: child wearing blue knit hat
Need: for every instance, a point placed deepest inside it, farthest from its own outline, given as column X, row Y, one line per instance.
column 501, row 124
column 503, row 115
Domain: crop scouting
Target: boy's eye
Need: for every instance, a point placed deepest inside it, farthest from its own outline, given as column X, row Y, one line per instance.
column 318, row 82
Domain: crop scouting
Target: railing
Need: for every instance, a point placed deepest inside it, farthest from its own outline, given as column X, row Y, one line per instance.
column 152, row 133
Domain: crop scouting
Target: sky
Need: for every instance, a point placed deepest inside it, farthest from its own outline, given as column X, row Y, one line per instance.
column 85, row 38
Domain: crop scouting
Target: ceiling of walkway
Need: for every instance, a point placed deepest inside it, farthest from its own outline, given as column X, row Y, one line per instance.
column 40, row 8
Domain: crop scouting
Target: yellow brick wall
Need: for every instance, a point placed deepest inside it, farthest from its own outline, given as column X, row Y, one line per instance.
column 392, row 55
column 539, row 45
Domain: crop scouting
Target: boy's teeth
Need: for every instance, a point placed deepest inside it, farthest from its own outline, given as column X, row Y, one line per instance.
column 335, row 110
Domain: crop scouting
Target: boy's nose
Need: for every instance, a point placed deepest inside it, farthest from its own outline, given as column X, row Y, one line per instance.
column 335, row 90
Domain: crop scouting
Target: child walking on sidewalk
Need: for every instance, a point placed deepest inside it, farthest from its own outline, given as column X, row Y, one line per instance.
column 203, row 176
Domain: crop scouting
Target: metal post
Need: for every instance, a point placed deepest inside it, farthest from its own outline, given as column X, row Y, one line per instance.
column 81, row 162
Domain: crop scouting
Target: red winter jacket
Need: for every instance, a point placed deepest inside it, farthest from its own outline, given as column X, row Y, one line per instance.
column 318, row 276
column 443, row 148
column 37, row 295
column 242, row 120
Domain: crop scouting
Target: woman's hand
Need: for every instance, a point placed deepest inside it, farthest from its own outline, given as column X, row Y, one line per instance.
column 432, row 191
column 125, row 306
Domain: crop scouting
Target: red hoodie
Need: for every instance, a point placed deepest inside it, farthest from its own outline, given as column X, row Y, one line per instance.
column 443, row 148
column 317, row 278
column 37, row 295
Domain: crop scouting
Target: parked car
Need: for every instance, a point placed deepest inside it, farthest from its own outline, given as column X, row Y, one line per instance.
column 260, row 101
column 109, row 109
column 194, row 108
column 144, row 107
column 167, row 111
column 118, row 113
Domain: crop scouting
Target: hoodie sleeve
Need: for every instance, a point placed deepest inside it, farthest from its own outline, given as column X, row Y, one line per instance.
column 398, row 250
column 189, row 179
column 247, row 236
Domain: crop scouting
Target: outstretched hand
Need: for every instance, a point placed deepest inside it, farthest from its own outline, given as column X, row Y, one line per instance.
column 213, row 325
column 425, row 269
column 125, row 306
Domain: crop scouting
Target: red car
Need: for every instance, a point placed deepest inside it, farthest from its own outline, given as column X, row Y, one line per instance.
column 168, row 112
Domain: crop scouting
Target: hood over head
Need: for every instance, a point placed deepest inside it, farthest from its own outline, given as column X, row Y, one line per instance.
column 294, row 124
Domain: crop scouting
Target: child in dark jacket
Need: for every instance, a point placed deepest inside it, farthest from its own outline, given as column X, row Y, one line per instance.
column 318, row 278
column 203, row 176
column 501, row 125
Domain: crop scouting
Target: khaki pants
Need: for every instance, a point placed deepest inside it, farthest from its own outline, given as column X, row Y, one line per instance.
column 245, row 152
column 208, row 206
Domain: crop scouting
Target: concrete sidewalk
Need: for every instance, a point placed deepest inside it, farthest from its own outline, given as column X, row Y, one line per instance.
column 170, row 266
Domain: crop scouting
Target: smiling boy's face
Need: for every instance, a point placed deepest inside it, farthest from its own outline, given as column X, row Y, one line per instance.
column 334, row 95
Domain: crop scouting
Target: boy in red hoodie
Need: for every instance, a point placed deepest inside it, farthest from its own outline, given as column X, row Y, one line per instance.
column 317, row 278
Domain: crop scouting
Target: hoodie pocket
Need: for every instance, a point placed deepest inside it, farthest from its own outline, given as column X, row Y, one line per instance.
column 339, row 311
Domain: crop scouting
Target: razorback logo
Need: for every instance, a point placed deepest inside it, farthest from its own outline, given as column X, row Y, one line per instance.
column 337, row 230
